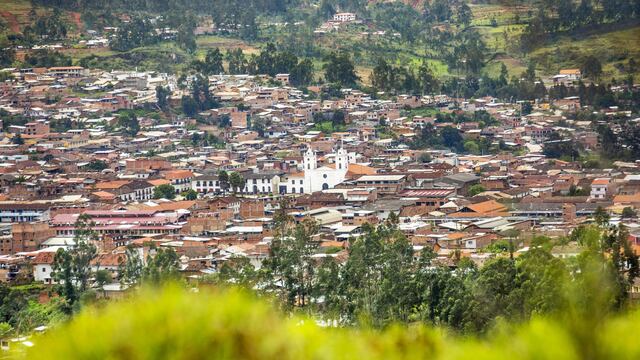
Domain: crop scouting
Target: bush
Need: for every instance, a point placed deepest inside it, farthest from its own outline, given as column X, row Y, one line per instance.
column 177, row 324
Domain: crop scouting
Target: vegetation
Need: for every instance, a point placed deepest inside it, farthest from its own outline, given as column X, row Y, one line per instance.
column 128, row 122
column 164, row 191
column 174, row 323
column 383, row 283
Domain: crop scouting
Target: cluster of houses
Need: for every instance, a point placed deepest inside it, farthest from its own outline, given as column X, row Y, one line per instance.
column 337, row 22
column 455, row 203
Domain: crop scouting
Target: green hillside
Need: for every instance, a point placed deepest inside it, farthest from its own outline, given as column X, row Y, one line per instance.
column 613, row 44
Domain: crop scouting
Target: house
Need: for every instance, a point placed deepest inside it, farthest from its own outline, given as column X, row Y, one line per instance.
column 126, row 190
column 283, row 78
column 600, row 188
column 43, row 267
column 490, row 208
column 384, row 184
column 179, row 179
column 571, row 74
column 37, row 128
column 205, row 184
column 462, row 182
column 344, row 17
column 26, row 236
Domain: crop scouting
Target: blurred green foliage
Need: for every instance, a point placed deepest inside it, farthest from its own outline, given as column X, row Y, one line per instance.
column 174, row 323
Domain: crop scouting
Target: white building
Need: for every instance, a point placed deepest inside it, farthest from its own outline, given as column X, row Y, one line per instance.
column 599, row 188
column 206, row 184
column 344, row 17
column 325, row 177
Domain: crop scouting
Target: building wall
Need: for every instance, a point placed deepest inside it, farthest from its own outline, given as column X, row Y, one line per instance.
column 27, row 237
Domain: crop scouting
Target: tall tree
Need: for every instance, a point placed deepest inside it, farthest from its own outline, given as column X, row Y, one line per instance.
column 213, row 62
column 223, row 179
column 162, row 95
column 236, row 181
column 128, row 122
column 339, row 68
column 72, row 267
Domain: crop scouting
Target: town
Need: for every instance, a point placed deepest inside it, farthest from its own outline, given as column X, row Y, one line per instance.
column 470, row 168
column 166, row 186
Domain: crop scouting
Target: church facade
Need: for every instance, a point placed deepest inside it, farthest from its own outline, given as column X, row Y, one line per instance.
column 325, row 177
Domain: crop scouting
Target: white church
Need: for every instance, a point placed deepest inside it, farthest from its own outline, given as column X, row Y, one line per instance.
column 325, row 177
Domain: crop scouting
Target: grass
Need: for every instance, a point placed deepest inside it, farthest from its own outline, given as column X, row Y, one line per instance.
column 15, row 6
column 78, row 53
column 484, row 13
column 16, row 14
column 423, row 111
column 612, row 48
column 206, row 42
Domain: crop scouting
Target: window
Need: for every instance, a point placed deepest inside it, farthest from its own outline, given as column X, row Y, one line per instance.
column 324, row 176
column 44, row 269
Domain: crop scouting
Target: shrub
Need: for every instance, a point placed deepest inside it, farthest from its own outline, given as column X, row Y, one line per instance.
column 176, row 324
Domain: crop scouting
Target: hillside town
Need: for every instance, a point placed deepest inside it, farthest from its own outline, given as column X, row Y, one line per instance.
column 163, row 186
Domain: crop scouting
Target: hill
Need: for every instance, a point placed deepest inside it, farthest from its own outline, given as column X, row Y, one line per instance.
column 435, row 40
column 501, row 27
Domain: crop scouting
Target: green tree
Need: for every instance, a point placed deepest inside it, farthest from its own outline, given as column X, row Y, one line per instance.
column 128, row 122
column 451, row 138
column 223, row 179
column 302, row 73
column 339, row 68
column 17, row 140
column 164, row 191
column 476, row 189
column 161, row 266
column 629, row 212
column 496, row 292
column 236, row 181
column 424, row 158
column 162, row 95
column 131, row 270
column 601, row 216
column 189, row 106
column 102, row 278
column 190, row 194
column 238, row 270
column 5, row 330
column 591, row 67
column 72, row 267
column 7, row 55
column 464, row 14
column 428, row 82
column 213, row 62
column 290, row 260
column 186, row 39
column 97, row 165
column 623, row 260
column 542, row 279
column 237, row 61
